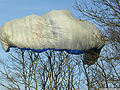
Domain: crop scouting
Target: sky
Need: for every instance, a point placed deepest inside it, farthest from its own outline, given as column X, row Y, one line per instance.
column 12, row 9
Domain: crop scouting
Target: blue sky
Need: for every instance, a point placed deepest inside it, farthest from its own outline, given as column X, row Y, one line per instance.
column 12, row 9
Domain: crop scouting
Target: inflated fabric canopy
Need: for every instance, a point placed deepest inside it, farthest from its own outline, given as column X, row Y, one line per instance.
column 55, row 30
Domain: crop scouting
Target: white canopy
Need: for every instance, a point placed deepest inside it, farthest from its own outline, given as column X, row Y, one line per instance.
column 57, row 30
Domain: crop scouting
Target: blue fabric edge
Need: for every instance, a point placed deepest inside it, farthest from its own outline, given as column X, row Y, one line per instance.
column 67, row 50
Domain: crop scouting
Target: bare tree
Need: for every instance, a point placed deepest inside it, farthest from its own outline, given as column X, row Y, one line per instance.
column 20, row 72
column 106, row 15
column 27, row 70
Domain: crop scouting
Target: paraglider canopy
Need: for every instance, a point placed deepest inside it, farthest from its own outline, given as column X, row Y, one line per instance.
column 56, row 30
